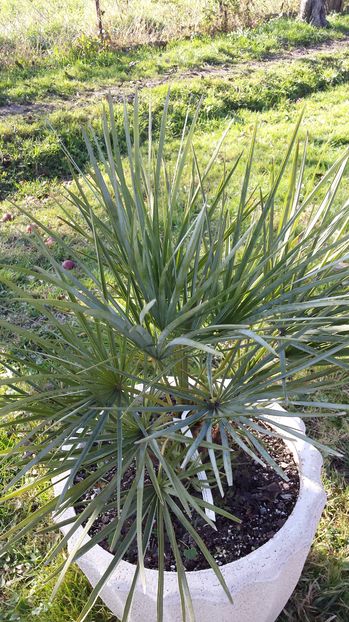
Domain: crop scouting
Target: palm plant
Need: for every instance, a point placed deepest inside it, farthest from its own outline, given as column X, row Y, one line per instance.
column 188, row 315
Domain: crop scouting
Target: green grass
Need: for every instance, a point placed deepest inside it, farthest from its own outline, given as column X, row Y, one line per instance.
column 34, row 176
column 31, row 147
column 326, row 121
column 322, row 593
column 24, row 587
column 44, row 23
column 87, row 65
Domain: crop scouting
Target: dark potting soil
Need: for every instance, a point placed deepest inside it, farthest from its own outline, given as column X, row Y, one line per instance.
column 259, row 497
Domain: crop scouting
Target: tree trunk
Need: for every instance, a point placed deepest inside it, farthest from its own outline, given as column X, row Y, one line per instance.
column 100, row 20
column 223, row 11
column 335, row 6
column 314, row 12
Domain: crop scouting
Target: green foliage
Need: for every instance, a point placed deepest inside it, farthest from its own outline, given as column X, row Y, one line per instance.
column 325, row 121
column 38, row 28
column 181, row 303
column 321, row 592
column 33, row 149
column 86, row 63
column 191, row 553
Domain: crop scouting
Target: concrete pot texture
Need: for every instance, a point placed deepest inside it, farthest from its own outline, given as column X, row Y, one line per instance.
column 260, row 583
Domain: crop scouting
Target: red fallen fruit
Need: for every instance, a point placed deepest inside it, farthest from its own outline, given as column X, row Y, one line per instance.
column 68, row 264
column 31, row 227
column 50, row 241
column 7, row 217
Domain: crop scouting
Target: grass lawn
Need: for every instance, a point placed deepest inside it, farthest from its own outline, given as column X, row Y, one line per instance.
column 85, row 65
column 35, row 174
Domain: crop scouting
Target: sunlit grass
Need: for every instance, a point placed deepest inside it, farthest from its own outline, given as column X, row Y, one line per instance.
column 84, row 66
column 32, row 147
column 322, row 593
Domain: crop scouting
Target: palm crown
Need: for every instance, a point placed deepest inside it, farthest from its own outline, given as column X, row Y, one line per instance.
column 187, row 317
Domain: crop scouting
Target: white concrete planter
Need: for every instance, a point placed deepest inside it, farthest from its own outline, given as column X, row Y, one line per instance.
column 260, row 583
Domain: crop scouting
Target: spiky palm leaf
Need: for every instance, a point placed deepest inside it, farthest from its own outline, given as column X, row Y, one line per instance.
column 187, row 314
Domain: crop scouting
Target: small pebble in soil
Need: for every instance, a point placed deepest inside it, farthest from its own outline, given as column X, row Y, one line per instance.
column 260, row 498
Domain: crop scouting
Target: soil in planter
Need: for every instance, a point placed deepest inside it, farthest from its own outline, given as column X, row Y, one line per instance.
column 260, row 498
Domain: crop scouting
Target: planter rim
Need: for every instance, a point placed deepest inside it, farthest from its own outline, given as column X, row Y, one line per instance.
column 310, row 490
